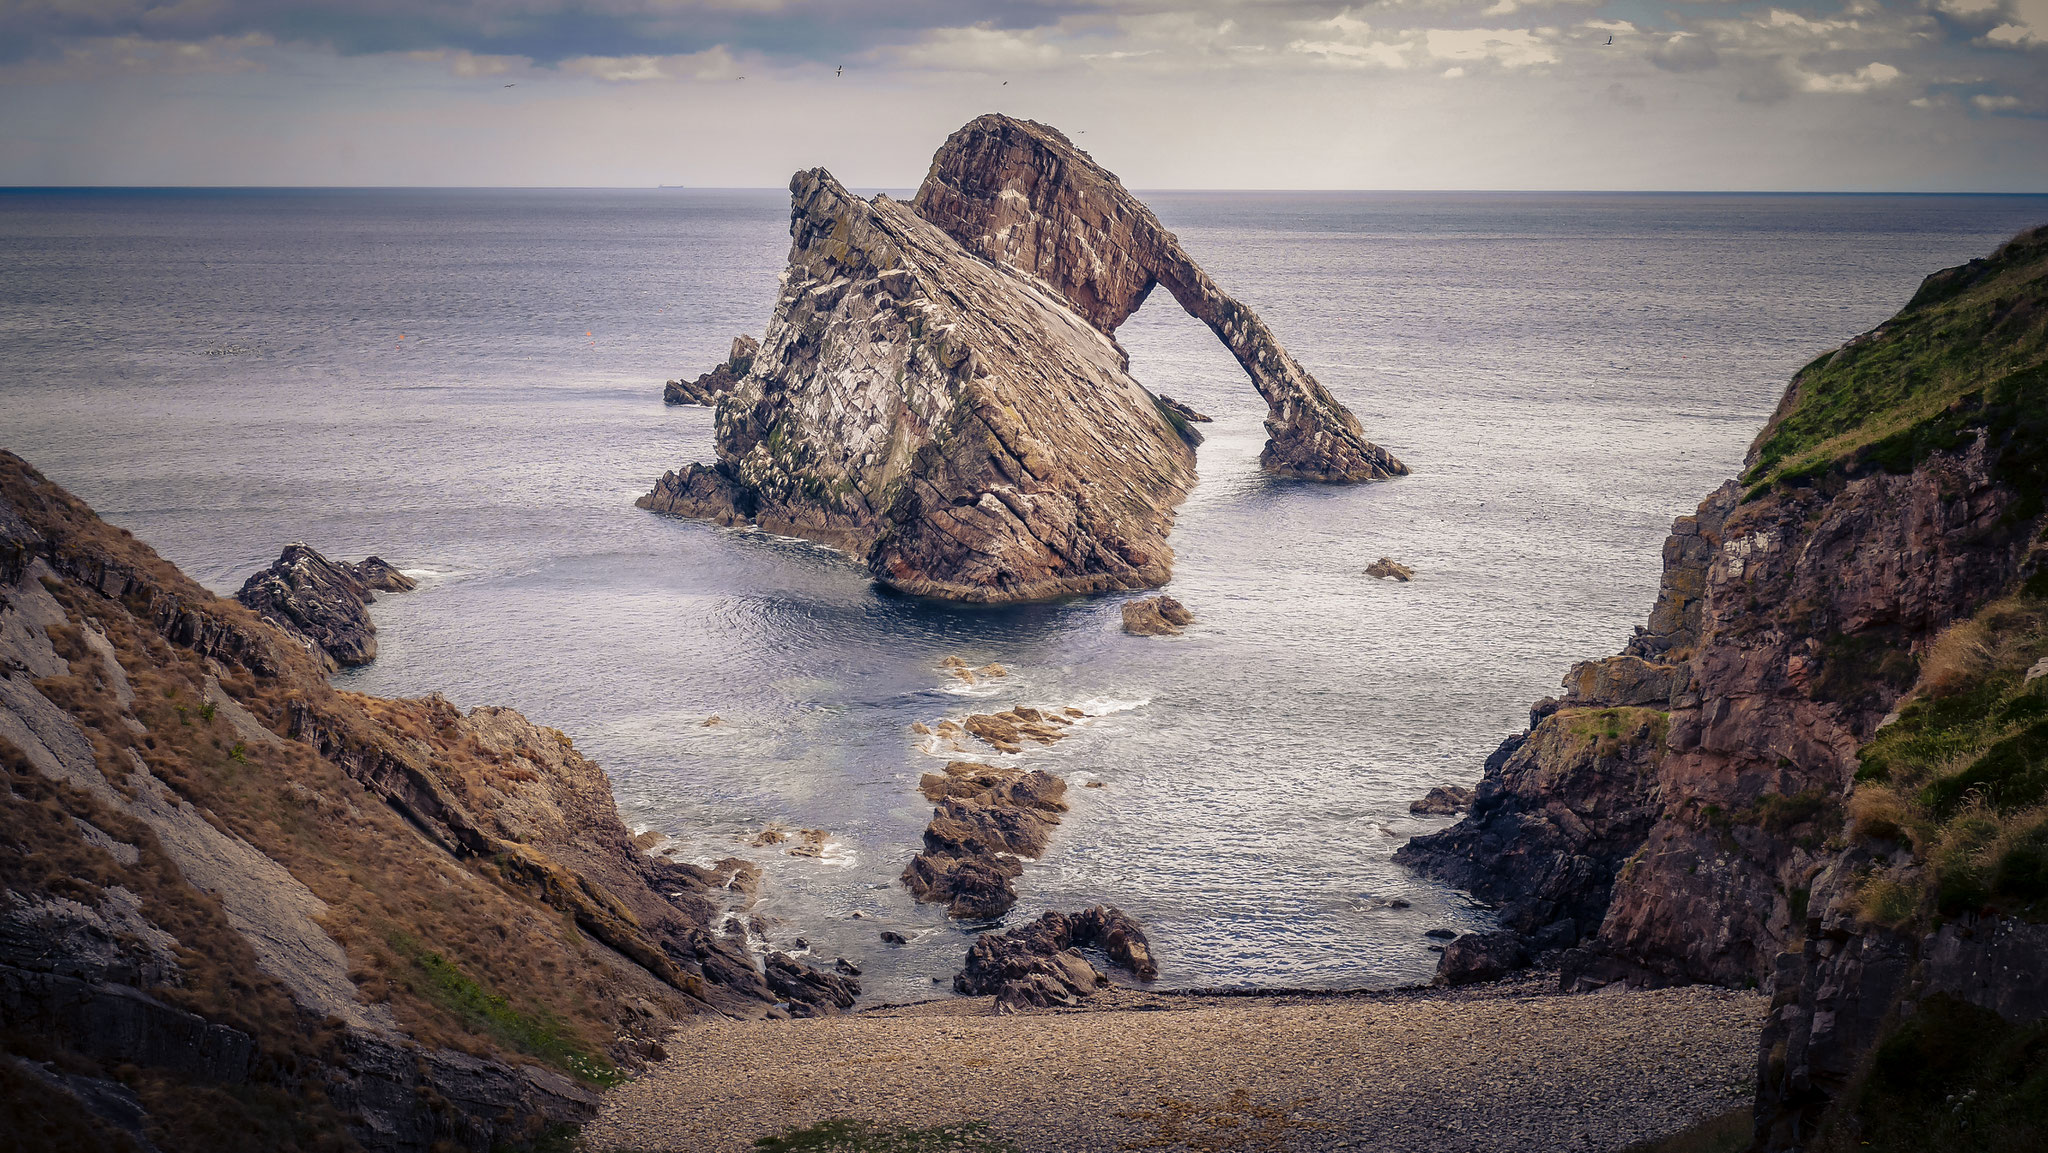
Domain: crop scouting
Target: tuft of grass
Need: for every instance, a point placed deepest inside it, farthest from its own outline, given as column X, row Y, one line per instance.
column 845, row 1135
column 538, row 1034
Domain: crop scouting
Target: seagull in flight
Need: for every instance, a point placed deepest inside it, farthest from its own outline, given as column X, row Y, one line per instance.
column 511, row 85
column 1610, row 39
column 840, row 71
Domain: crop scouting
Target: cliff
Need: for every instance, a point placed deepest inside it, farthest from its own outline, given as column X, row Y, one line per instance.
column 1824, row 725
column 955, row 411
column 242, row 910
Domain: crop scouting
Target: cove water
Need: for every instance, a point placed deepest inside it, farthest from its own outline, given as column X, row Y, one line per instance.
column 469, row 384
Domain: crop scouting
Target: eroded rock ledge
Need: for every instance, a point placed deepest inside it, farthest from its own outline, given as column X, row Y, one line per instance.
column 955, row 412
column 1041, row 965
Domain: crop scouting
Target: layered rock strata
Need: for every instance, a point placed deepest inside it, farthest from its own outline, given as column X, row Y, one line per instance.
column 1041, row 965
column 711, row 387
column 965, row 424
column 1020, row 194
column 388, row 921
column 1688, row 810
column 323, row 602
column 988, row 820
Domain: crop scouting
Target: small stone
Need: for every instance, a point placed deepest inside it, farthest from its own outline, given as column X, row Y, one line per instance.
column 891, row 937
column 1160, row 616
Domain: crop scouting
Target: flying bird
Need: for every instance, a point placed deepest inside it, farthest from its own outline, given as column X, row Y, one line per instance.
column 511, row 85
column 1610, row 38
column 839, row 71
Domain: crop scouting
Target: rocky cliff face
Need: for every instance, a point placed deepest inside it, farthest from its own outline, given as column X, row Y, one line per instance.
column 964, row 422
column 240, row 909
column 1688, row 810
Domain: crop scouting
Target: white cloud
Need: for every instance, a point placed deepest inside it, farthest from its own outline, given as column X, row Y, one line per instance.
column 1685, row 52
column 1347, row 40
column 980, row 48
column 1508, row 47
column 2028, row 27
column 1872, row 75
column 1990, row 103
column 469, row 64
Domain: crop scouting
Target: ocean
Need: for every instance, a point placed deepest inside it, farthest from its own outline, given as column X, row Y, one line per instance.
column 468, row 383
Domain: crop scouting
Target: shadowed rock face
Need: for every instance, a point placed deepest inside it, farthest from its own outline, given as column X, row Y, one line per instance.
column 943, row 400
column 1020, row 194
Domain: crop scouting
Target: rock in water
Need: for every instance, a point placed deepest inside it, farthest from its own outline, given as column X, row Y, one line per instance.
column 707, row 389
column 987, row 819
column 319, row 601
column 1041, row 965
column 1020, row 194
column 1156, row 617
column 1442, row 801
column 962, row 420
column 377, row 573
column 1387, row 567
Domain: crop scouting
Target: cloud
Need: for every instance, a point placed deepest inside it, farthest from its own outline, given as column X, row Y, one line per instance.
column 469, row 64
column 1508, row 47
column 1347, row 40
column 1685, row 52
column 981, row 49
column 2028, row 27
column 97, row 57
column 1995, row 103
column 1873, row 75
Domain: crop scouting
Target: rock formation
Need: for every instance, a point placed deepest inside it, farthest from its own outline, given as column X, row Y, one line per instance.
column 1020, row 194
column 236, row 900
column 709, row 388
column 957, row 415
column 1156, row 617
column 988, row 819
column 1807, row 770
column 322, row 602
column 1041, row 965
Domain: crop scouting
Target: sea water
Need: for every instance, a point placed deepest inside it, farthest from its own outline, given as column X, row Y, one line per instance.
column 469, row 385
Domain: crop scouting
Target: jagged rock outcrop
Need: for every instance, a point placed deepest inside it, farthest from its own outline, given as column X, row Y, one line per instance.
column 1387, row 568
column 965, row 424
column 987, row 821
column 233, row 884
column 1442, row 801
column 323, row 602
column 1020, row 194
column 709, row 388
column 1686, row 811
column 1041, row 965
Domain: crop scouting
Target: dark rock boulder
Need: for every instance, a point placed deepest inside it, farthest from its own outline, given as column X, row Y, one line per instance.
column 810, row 992
column 1442, row 801
column 1477, row 957
column 1040, row 965
column 1387, row 568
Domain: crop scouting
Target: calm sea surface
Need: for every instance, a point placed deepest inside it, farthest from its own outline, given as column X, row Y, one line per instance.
column 469, row 384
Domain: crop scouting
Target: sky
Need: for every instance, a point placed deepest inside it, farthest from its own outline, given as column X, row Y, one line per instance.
column 1862, row 95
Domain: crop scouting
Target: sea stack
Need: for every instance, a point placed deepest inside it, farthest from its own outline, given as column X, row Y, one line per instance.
column 938, row 391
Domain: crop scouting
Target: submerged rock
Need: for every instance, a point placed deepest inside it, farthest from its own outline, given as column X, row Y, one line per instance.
column 322, row 602
column 955, row 413
column 707, row 389
column 1041, row 965
column 1387, row 568
column 1156, row 617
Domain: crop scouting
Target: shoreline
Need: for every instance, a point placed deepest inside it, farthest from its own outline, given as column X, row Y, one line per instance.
column 1503, row 1065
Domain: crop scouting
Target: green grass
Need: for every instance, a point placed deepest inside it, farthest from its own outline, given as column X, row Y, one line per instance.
column 1967, row 357
column 442, row 983
column 847, row 1136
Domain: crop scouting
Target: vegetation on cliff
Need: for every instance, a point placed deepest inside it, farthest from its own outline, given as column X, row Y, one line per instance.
column 1967, row 357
